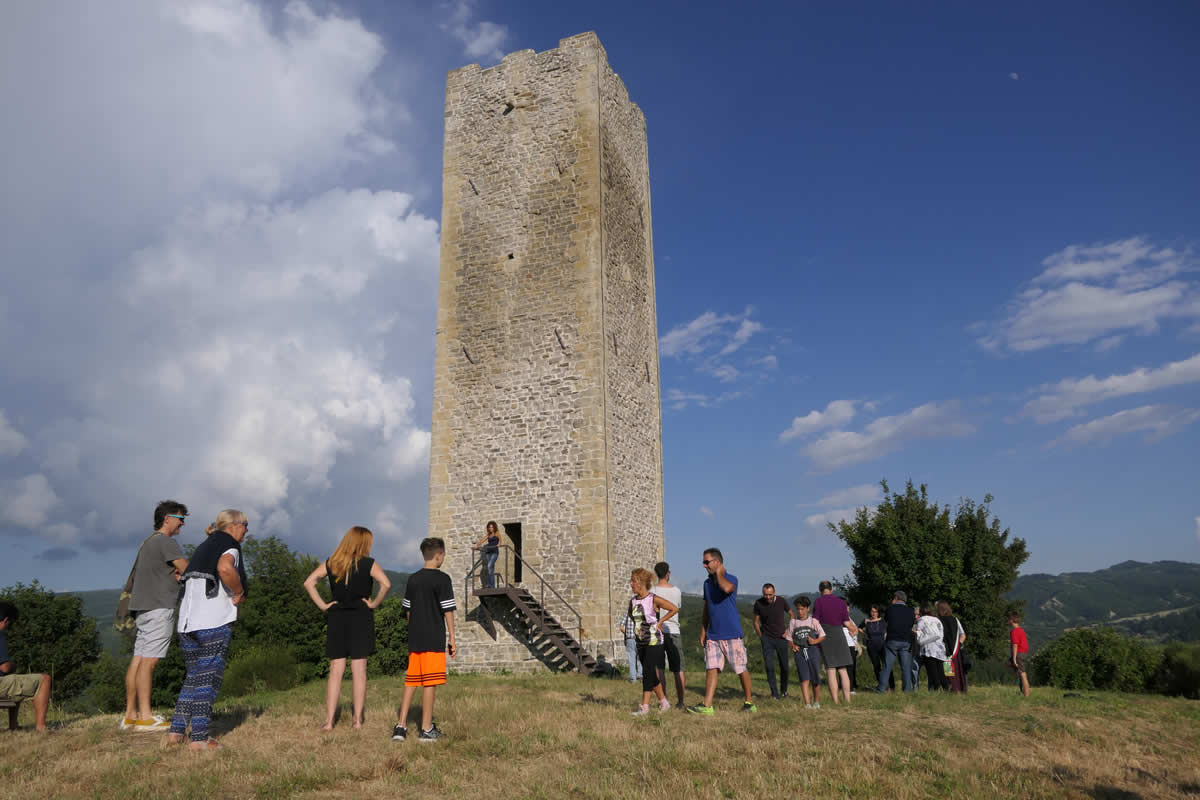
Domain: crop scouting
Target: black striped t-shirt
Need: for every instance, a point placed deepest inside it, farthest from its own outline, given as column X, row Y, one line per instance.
column 428, row 596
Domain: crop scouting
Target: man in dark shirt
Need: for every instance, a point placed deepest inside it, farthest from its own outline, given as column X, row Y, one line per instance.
column 898, row 644
column 429, row 602
column 21, row 687
column 771, row 618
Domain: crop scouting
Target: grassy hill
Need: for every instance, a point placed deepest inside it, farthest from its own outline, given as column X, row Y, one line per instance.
column 565, row 736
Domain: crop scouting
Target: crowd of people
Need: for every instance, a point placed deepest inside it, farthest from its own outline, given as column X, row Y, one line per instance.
column 209, row 587
column 815, row 633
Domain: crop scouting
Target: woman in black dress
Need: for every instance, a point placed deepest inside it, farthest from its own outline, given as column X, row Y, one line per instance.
column 350, row 632
column 875, row 628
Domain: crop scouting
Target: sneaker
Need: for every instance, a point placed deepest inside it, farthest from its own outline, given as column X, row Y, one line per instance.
column 665, row 705
column 853, row 692
column 774, row 697
column 399, row 733
column 808, row 706
column 749, row 707
column 700, row 709
column 642, row 711
column 155, row 723
column 127, row 723
column 783, row 694
column 816, row 706
column 431, row 735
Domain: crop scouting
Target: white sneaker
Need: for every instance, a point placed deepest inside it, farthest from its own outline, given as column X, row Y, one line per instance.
column 816, row 706
column 642, row 711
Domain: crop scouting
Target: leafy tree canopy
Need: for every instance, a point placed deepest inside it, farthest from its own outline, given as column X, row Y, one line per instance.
column 908, row 543
column 52, row 635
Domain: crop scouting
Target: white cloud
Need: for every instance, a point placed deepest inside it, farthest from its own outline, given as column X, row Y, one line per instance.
column 1109, row 343
column 1158, row 421
column 838, row 412
column 742, row 335
column 1066, row 398
column 240, row 328
column 1089, row 292
column 725, row 373
column 767, row 362
column 835, row 516
column 27, row 502
column 678, row 399
column 1014, row 76
column 12, row 441
column 886, row 434
column 863, row 494
column 480, row 39
column 706, row 511
column 1198, row 527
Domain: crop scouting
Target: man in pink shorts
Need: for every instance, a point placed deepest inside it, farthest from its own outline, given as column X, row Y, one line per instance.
column 721, row 632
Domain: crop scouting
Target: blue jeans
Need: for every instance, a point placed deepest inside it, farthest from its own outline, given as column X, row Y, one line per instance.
column 894, row 649
column 631, row 656
column 489, row 570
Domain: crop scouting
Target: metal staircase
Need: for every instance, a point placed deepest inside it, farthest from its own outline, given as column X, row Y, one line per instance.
column 553, row 644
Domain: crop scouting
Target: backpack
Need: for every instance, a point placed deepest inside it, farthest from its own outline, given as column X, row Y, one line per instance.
column 123, row 619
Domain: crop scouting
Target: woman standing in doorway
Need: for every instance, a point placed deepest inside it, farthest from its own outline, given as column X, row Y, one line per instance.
column 489, row 546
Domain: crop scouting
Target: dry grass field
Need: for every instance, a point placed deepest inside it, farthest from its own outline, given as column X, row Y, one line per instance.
column 564, row 736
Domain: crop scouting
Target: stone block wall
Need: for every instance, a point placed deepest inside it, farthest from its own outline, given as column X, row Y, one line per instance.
column 546, row 263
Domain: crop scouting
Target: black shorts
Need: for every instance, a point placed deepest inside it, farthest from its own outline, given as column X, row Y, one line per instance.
column 671, row 645
column 350, row 634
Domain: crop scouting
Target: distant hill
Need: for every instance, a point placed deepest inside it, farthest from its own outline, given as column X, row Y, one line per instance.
column 1159, row 601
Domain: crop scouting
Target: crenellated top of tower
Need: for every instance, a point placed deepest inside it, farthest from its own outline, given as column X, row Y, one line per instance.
column 577, row 48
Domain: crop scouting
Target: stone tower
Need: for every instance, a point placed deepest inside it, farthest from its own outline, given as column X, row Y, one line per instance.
column 546, row 413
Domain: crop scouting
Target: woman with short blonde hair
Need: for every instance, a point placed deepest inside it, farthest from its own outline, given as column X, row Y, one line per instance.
column 350, row 628
column 214, row 585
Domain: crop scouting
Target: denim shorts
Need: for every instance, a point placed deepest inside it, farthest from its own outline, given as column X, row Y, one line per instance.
column 808, row 664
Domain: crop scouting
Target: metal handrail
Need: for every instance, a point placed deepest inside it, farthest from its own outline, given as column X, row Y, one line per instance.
column 542, row 586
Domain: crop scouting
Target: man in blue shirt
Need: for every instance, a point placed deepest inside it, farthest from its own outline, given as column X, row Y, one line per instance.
column 721, row 632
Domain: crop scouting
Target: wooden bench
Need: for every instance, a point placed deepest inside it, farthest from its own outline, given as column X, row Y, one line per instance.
column 13, row 707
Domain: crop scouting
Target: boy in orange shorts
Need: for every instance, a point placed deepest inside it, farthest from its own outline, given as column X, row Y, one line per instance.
column 429, row 603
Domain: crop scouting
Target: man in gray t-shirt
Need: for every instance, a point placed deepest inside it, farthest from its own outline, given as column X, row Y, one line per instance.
column 152, row 600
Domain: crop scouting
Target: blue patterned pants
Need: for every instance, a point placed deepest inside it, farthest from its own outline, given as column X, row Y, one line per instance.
column 204, row 655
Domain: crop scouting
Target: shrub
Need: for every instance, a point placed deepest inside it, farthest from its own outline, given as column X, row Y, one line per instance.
column 1179, row 672
column 391, row 639
column 261, row 669
column 1096, row 658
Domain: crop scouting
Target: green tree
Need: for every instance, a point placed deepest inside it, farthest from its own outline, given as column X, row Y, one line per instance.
column 277, row 611
column 391, row 638
column 52, row 635
column 911, row 544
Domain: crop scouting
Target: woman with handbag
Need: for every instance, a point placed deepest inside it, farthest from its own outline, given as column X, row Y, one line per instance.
column 953, row 636
column 933, row 649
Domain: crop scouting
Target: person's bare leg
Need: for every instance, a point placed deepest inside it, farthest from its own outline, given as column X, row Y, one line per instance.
column 405, row 704
column 427, row 707
column 679, row 685
column 1024, row 684
column 806, row 692
column 745, row 679
column 845, row 676
column 41, row 703
column 333, row 690
column 831, row 682
column 131, row 698
column 145, row 680
column 710, row 685
column 358, row 682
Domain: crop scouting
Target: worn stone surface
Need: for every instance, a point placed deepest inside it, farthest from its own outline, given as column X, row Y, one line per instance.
column 546, row 390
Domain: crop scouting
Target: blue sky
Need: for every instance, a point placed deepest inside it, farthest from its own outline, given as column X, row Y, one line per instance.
column 957, row 244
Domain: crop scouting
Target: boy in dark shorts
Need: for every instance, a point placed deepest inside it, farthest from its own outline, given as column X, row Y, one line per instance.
column 805, row 634
column 1018, row 645
column 429, row 603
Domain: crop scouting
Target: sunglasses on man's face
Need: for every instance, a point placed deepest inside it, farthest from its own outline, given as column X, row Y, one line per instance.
column 179, row 517
column 707, row 562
